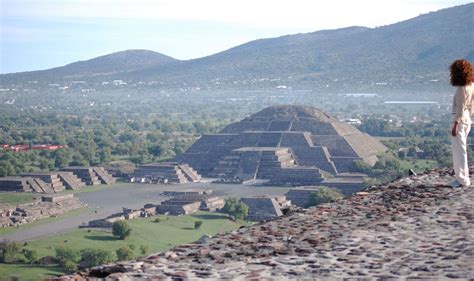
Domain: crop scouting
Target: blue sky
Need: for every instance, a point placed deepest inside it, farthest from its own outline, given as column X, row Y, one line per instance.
column 41, row 34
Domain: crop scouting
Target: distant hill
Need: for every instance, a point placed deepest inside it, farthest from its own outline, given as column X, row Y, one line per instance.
column 412, row 53
column 111, row 64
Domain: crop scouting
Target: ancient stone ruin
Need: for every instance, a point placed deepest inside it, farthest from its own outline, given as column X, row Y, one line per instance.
column 416, row 228
column 165, row 172
column 55, row 181
column 265, row 208
column 190, row 203
column 287, row 145
column 91, row 175
column 49, row 205
column 25, row 184
column 58, row 180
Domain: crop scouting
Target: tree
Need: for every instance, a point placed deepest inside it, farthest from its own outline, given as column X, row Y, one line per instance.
column 235, row 208
column 197, row 224
column 121, row 229
column 9, row 251
column 93, row 257
column 124, row 253
column 155, row 150
column 323, row 195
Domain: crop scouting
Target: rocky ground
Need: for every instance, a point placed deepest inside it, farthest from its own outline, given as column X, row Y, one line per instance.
column 415, row 227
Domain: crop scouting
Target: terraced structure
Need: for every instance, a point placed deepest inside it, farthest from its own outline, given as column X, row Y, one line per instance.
column 287, row 145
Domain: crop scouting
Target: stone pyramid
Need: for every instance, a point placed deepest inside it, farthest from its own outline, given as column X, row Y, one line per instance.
column 313, row 139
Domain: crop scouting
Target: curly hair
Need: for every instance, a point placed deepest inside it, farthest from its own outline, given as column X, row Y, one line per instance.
column 461, row 73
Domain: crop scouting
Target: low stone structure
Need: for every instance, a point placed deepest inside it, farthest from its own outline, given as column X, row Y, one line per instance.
column 413, row 228
column 49, row 205
column 91, row 175
column 126, row 214
column 300, row 196
column 48, row 177
column 265, row 208
column 166, row 172
column 25, row 184
column 190, row 203
column 346, row 183
column 187, row 191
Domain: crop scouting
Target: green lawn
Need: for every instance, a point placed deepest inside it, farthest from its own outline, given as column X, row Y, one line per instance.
column 27, row 272
column 17, row 197
column 157, row 236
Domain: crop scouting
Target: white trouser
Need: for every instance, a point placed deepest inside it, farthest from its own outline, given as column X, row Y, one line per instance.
column 459, row 147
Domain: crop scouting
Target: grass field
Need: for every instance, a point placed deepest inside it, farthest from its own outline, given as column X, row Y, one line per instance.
column 156, row 236
column 17, row 197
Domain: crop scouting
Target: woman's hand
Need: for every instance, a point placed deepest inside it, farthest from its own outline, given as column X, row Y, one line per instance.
column 454, row 130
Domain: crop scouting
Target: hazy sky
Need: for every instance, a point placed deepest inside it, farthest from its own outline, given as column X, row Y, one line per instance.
column 40, row 34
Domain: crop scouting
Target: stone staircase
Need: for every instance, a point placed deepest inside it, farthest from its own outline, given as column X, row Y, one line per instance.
column 70, row 180
column 86, row 174
column 50, row 178
column 298, row 176
column 104, row 176
column 190, row 173
column 271, row 162
column 169, row 172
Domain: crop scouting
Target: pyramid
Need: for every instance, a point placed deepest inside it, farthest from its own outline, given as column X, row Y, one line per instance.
column 316, row 142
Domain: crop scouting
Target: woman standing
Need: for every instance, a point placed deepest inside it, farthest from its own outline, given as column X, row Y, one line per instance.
column 462, row 78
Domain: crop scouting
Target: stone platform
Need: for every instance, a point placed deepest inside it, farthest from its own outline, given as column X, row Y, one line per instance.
column 413, row 228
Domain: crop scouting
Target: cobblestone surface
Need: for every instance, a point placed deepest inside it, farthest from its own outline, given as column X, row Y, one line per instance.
column 412, row 228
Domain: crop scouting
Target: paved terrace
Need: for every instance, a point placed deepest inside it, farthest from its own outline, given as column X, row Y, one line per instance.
column 413, row 228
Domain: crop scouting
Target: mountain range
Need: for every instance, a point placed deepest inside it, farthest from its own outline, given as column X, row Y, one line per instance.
column 415, row 52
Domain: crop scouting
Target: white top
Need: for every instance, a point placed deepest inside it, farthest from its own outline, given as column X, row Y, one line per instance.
column 462, row 104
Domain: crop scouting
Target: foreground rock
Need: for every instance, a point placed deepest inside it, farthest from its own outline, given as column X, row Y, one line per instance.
column 415, row 227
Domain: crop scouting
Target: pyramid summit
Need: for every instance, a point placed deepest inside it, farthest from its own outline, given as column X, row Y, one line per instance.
column 286, row 144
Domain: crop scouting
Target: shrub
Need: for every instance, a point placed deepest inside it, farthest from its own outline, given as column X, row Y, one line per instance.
column 144, row 249
column 157, row 220
column 69, row 267
column 9, row 251
column 93, row 257
column 30, row 255
column 64, row 255
column 121, row 229
column 197, row 224
column 324, row 195
column 124, row 253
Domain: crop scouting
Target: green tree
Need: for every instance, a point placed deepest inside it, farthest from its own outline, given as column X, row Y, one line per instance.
column 235, row 208
column 9, row 251
column 324, row 195
column 93, row 257
column 124, row 253
column 64, row 255
column 197, row 224
column 121, row 229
